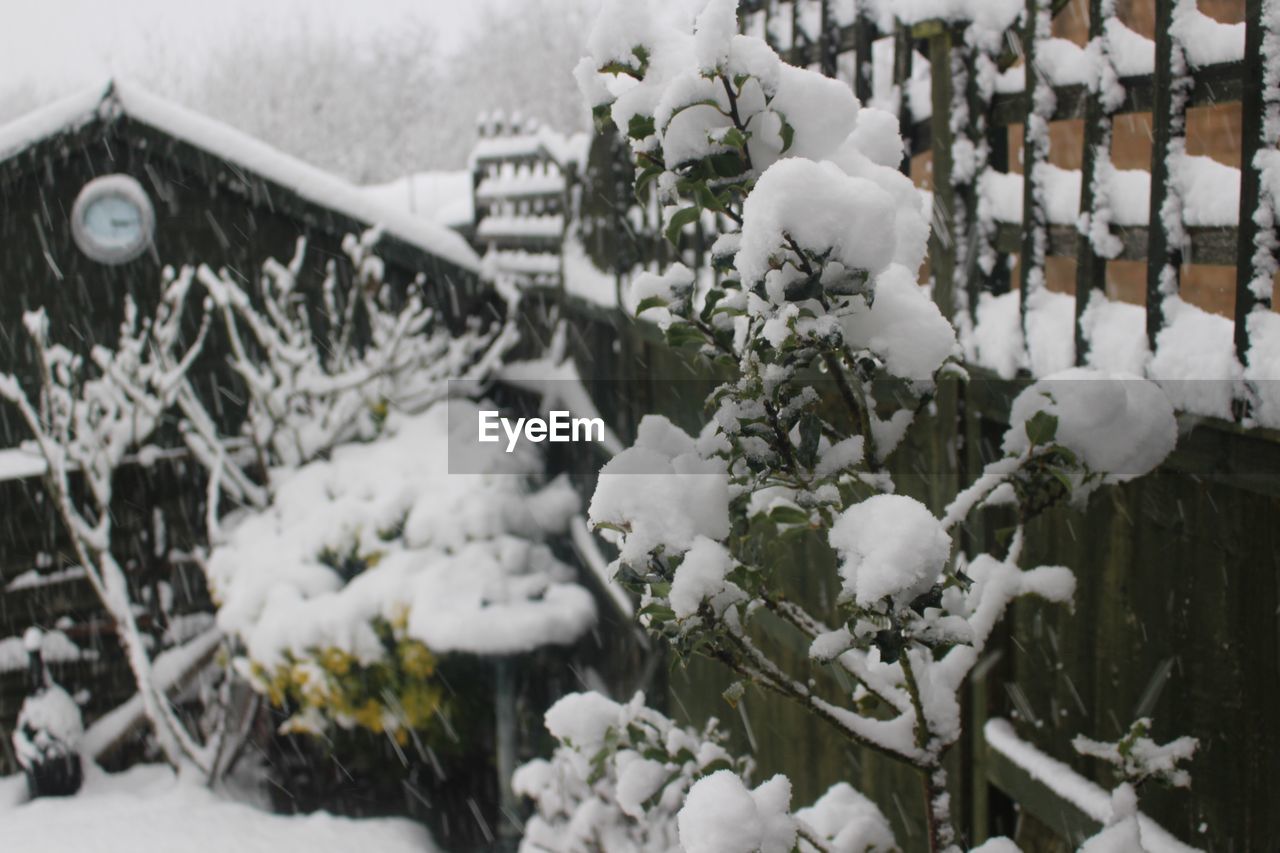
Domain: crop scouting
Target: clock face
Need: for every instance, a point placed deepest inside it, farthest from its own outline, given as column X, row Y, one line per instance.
column 113, row 220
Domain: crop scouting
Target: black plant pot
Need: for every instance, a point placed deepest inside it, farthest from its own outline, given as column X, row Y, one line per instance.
column 55, row 777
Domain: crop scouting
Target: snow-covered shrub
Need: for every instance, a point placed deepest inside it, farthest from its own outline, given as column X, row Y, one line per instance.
column 617, row 778
column 371, row 564
column 46, row 737
column 48, row 729
column 320, row 374
column 817, row 269
column 1137, row 759
column 90, row 417
column 310, row 386
column 622, row 774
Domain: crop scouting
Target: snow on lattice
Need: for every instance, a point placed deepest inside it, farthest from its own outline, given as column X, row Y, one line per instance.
column 1131, row 53
column 1194, row 361
column 1263, row 369
column 1117, row 335
column 524, row 262
column 1210, row 193
column 521, row 192
column 459, row 559
column 505, row 185
column 996, row 340
column 989, row 14
column 514, row 226
column 1204, row 40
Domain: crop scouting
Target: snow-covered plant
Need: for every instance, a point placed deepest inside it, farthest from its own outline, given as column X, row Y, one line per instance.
column 1137, row 759
column 371, row 565
column 89, row 418
column 621, row 775
column 47, row 734
column 323, row 368
column 617, row 778
column 375, row 353
column 835, row 348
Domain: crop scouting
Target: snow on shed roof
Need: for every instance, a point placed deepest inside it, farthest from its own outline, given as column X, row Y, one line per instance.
column 227, row 143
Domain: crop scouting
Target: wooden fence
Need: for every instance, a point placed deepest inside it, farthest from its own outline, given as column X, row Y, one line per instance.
column 1176, row 611
column 954, row 77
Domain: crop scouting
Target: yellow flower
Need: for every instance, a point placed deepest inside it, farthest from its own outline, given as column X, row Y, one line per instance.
column 369, row 716
column 416, row 660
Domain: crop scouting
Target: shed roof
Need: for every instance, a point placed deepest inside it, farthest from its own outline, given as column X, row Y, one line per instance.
column 251, row 158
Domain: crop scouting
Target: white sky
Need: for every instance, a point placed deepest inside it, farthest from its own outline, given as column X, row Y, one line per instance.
column 57, row 45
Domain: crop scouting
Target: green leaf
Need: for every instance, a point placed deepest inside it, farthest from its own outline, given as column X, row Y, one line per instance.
column 735, row 138
column 810, row 434
column 658, row 612
column 682, row 335
column 640, row 127
column 609, row 525
column 1042, row 427
column 788, row 515
column 788, row 136
column 705, row 198
column 727, row 165
column 650, row 302
column 679, row 220
column 709, row 304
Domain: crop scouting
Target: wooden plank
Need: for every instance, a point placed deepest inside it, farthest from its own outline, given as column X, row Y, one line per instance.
column 864, row 35
column 1214, row 84
column 1034, row 220
column 970, row 236
column 903, row 51
column 1164, row 257
column 1091, row 268
column 1251, row 138
column 1214, row 246
column 828, row 42
column 1038, row 798
column 942, row 237
column 1000, row 279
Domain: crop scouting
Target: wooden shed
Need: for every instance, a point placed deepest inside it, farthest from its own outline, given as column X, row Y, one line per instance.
column 98, row 193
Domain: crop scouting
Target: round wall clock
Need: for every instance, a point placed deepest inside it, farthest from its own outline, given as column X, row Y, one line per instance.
column 113, row 220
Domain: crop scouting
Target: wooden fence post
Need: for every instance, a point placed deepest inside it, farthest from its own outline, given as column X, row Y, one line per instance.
column 1164, row 255
column 1253, row 104
column 1035, row 150
column 1091, row 268
column 942, row 238
column 903, row 51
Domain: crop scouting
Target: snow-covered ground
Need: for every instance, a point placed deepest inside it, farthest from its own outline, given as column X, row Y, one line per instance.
column 147, row 809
